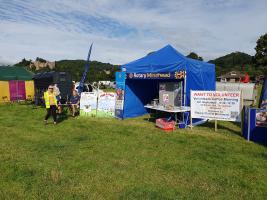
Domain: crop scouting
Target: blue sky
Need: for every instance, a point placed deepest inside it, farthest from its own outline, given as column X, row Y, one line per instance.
column 126, row 30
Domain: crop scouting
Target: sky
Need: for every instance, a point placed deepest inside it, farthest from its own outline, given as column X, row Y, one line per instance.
column 123, row 31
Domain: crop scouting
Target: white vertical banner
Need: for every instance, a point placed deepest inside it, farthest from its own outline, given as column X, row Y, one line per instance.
column 216, row 105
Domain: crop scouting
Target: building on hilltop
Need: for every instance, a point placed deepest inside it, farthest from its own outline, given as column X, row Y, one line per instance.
column 234, row 77
column 39, row 64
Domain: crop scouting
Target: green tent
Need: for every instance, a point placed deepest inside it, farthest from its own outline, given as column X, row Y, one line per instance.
column 15, row 73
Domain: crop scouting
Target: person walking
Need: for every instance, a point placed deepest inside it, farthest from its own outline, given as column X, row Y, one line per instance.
column 50, row 104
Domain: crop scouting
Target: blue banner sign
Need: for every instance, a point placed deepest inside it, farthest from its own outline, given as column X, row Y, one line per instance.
column 160, row 75
column 120, row 90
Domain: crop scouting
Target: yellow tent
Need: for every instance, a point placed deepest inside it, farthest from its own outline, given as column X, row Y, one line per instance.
column 29, row 86
column 4, row 91
column 15, row 84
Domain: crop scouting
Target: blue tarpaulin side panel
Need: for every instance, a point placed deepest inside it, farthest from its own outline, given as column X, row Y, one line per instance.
column 137, row 94
column 199, row 76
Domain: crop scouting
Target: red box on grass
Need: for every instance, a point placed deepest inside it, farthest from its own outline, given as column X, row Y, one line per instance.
column 163, row 124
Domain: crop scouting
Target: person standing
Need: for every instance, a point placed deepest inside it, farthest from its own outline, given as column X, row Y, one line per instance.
column 58, row 97
column 74, row 102
column 50, row 104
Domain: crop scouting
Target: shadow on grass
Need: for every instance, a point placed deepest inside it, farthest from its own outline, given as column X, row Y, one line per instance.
column 63, row 116
column 153, row 116
column 223, row 127
column 228, row 126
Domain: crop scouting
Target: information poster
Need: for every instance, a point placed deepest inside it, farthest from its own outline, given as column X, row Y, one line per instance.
column 216, row 105
column 120, row 89
column 261, row 117
column 88, row 104
column 106, row 104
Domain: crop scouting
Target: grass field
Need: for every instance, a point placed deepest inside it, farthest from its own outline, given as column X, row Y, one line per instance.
column 89, row 158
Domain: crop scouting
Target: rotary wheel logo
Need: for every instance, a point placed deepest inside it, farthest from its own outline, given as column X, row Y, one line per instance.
column 130, row 75
column 179, row 75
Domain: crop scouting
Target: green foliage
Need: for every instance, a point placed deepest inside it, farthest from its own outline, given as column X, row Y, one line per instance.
column 232, row 60
column 150, row 53
column 23, row 63
column 40, row 60
column 91, row 158
column 238, row 61
column 261, row 51
column 26, row 64
column 98, row 71
column 193, row 55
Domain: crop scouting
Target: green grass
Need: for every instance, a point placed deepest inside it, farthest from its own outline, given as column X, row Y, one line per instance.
column 89, row 158
column 109, row 90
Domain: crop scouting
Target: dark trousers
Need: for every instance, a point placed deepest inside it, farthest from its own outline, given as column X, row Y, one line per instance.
column 51, row 111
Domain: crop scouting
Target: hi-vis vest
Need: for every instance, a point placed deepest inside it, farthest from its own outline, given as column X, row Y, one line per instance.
column 46, row 98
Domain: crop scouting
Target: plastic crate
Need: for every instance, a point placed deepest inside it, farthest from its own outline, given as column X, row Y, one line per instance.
column 165, row 125
column 181, row 125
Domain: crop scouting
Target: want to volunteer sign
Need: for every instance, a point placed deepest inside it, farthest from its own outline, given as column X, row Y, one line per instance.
column 217, row 105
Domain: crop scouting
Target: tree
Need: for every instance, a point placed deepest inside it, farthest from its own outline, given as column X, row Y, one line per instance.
column 261, row 51
column 193, row 55
column 233, row 59
column 150, row 53
column 40, row 60
column 23, row 63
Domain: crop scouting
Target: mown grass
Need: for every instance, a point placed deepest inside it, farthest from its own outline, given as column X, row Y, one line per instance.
column 90, row 158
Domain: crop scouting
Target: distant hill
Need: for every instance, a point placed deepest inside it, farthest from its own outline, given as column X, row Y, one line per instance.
column 232, row 60
column 98, row 71
column 238, row 61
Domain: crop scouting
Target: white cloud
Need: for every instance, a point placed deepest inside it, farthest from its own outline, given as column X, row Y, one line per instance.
column 125, row 30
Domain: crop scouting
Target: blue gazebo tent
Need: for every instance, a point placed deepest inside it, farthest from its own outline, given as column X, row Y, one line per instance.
column 139, row 92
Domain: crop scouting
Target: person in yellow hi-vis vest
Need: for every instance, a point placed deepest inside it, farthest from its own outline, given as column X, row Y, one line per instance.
column 50, row 104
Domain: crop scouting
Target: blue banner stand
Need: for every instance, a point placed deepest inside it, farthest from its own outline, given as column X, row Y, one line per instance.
column 251, row 131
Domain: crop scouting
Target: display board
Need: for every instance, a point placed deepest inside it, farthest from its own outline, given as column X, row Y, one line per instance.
column 261, row 117
column 106, row 104
column 255, row 125
column 120, row 91
column 97, row 105
column 88, row 104
column 170, row 93
column 216, row 105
